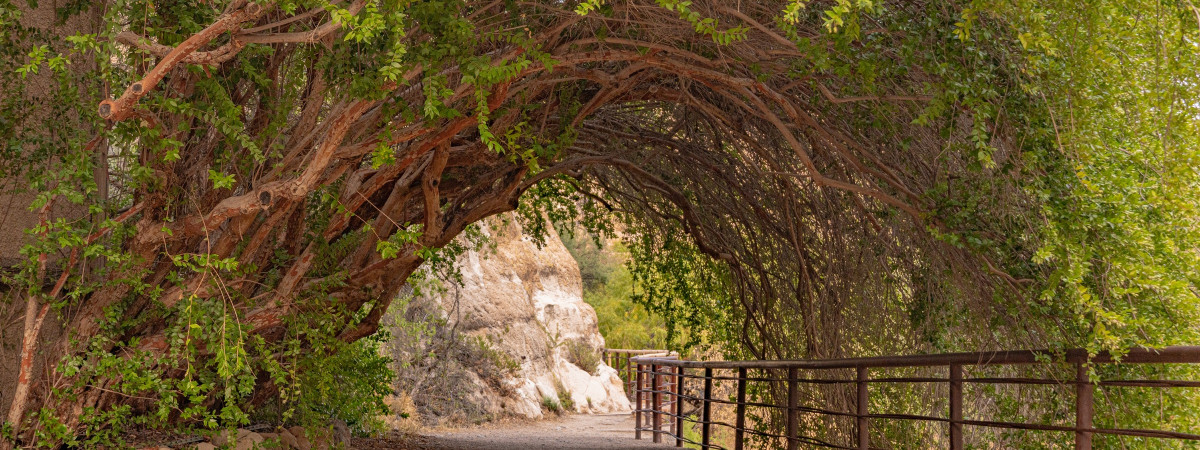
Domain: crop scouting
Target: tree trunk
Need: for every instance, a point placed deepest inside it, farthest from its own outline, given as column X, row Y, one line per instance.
column 261, row 163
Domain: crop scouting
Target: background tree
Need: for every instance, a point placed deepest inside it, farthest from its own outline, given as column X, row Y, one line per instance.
column 260, row 179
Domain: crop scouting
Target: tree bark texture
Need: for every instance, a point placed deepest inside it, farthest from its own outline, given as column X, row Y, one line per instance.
column 662, row 121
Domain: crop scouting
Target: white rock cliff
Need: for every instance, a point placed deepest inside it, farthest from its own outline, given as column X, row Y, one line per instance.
column 529, row 303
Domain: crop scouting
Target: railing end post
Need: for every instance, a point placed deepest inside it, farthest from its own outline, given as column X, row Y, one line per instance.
column 740, row 430
column 706, row 408
column 1084, row 391
column 956, row 430
column 637, row 394
column 679, row 377
column 656, row 403
column 793, row 425
column 864, row 432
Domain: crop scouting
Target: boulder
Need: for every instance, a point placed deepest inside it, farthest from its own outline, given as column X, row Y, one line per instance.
column 298, row 433
column 528, row 303
column 248, row 440
column 241, row 439
column 340, row 436
column 289, row 440
column 224, row 437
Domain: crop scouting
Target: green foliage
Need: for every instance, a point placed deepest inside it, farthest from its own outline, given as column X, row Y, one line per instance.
column 551, row 404
column 348, row 384
column 320, row 376
column 1117, row 80
column 677, row 282
column 582, row 355
column 599, row 261
column 608, row 287
column 564, row 400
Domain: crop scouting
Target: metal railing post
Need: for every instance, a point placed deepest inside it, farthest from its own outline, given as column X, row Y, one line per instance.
column 637, row 394
column 864, row 433
column 956, row 431
column 740, row 429
column 669, row 398
column 678, row 407
column 670, row 383
column 655, row 387
column 630, row 369
column 793, row 432
column 1084, row 391
column 706, row 427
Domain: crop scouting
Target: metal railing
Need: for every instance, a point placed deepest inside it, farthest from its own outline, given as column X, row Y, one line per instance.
column 621, row 360
column 667, row 377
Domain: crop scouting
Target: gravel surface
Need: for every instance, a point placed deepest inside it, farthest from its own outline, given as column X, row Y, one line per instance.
column 574, row 432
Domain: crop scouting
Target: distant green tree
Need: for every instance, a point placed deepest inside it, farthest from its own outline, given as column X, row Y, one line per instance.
column 608, row 287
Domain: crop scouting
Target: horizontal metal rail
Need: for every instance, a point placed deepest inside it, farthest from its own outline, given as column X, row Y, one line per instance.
column 1180, row 354
column 619, row 359
column 623, row 351
column 659, row 383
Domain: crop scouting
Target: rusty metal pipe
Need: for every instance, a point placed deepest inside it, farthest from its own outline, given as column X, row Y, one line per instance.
column 637, row 433
column 1140, row 355
column 793, row 432
column 956, row 431
column 1084, row 392
column 740, row 430
column 657, row 402
column 864, row 430
column 706, row 427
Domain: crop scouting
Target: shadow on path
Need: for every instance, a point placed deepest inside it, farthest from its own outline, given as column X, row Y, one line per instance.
column 575, row 432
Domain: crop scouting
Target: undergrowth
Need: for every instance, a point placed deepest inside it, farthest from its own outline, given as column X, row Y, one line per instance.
column 583, row 356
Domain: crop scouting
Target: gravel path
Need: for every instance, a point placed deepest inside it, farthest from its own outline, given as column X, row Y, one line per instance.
column 574, row 432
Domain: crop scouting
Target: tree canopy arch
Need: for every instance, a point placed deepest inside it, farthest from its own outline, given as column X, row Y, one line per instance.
column 836, row 167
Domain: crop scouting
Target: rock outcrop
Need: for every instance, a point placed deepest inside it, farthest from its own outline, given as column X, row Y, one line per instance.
column 527, row 302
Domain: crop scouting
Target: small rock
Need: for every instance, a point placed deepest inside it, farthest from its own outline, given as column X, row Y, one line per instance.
column 302, row 442
column 223, row 437
column 321, row 442
column 288, row 440
column 248, row 440
column 341, row 434
column 205, row 446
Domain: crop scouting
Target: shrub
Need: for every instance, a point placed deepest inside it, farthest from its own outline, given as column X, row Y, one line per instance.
column 564, row 399
column 583, row 356
column 551, row 404
column 492, row 365
column 350, row 384
column 564, row 396
column 436, row 365
column 320, row 378
column 403, row 415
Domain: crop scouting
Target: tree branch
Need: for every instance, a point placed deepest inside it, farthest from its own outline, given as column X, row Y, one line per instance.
column 120, row 109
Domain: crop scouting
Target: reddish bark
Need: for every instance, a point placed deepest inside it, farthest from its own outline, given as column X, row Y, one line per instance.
column 445, row 178
column 122, row 107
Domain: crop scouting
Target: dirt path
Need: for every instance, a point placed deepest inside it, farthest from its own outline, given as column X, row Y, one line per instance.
column 575, row 432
